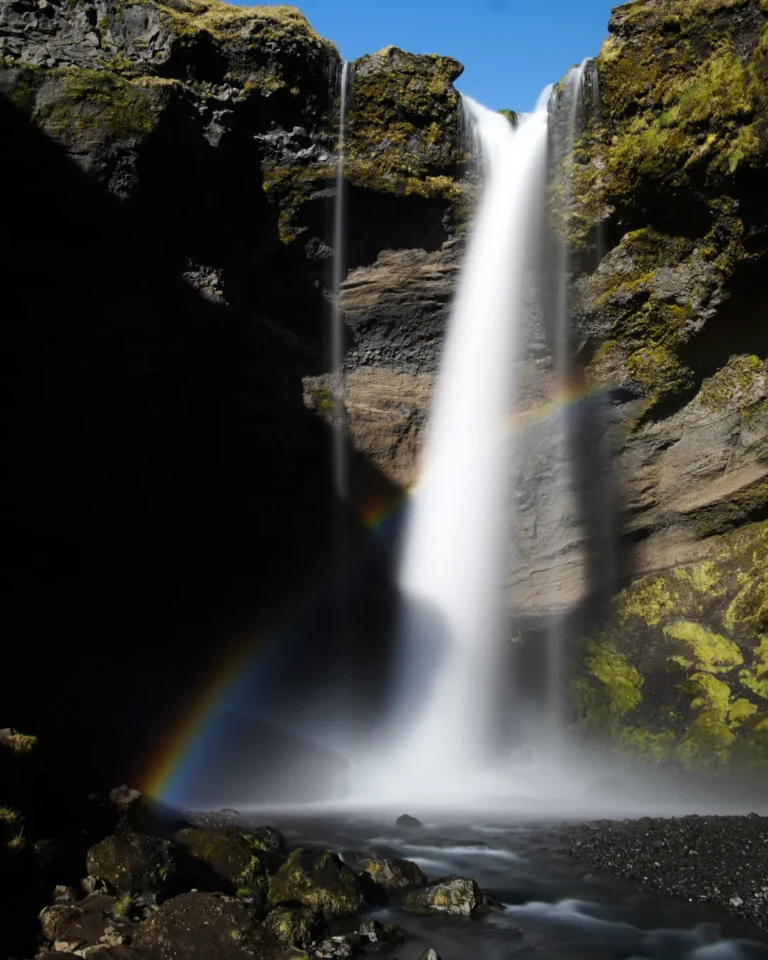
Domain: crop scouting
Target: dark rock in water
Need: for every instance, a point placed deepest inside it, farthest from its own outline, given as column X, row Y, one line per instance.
column 337, row 948
column 457, row 896
column 250, row 760
column 294, row 926
column 407, row 821
column 207, row 926
column 370, row 937
column 134, row 864
column 319, row 880
column 225, row 860
column 383, row 877
column 377, row 937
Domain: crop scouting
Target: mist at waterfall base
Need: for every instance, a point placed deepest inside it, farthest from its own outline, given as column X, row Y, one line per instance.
column 457, row 736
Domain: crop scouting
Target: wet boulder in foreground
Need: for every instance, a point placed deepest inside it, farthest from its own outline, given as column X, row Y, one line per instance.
column 226, row 860
column 208, row 926
column 380, row 937
column 131, row 863
column 294, row 926
column 370, row 937
column 383, row 878
column 458, row 896
column 95, row 922
column 320, row 881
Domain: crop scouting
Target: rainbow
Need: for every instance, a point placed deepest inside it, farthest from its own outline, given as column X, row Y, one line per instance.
column 184, row 744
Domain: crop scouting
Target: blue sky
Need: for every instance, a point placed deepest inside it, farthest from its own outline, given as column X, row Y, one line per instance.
column 511, row 49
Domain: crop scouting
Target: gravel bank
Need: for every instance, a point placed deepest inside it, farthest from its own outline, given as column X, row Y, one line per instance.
column 717, row 860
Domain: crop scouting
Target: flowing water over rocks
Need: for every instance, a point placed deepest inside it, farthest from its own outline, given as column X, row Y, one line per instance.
column 540, row 905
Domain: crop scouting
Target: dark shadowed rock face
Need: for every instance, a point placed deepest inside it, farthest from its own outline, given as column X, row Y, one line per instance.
column 187, row 154
column 134, row 864
column 228, row 860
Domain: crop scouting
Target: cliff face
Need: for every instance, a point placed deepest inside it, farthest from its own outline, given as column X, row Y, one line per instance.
column 170, row 170
column 670, row 322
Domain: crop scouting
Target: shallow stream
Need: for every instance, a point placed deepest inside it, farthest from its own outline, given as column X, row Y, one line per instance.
column 545, row 908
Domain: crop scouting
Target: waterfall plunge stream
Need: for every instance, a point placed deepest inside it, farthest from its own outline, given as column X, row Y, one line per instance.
column 453, row 565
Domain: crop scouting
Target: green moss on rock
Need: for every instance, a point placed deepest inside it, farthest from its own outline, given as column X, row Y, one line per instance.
column 97, row 102
column 320, row 881
column 403, row 124
column 682, row 677
column 611, row 689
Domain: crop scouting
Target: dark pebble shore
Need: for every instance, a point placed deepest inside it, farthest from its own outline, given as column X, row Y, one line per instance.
column 721, row 860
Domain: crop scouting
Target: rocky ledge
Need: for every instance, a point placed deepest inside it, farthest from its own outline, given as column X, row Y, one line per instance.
column 717, row 860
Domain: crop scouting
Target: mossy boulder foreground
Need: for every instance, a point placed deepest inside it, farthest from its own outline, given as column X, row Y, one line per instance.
column 319, row 880
column 229, row 860
column 384, row 878
column 456, row 896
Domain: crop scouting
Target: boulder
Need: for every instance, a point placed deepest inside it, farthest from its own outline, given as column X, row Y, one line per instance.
column 384, row 877
column 370, row 937
column 95, row 921
column 55, row 919
column 378, row 937
column 458, row 896
column 208, row 926
column 130, row 863
column 225, row 860
column 293, row 926
column 430, row 954
column 319, row 880
column 408, row 821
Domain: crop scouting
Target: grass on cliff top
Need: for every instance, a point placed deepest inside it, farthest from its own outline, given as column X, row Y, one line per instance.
column 221, row 20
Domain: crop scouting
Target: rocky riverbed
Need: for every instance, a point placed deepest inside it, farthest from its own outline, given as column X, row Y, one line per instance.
column 716, row 860
column 336, row 886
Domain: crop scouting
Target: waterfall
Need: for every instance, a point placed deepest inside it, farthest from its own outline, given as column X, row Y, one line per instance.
column 340, row 465
column 569, row 109
column 453, row 564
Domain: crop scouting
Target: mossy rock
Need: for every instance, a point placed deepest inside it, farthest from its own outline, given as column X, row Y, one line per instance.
column 681, row 678
column 455, row 896
column 320, row 881
column 267, row 50
column 403, row 124
column 130, row 863
column 209, row 926
column 385, row 877
column 667, row 172
column 294, row 926
column 227, row 860
column 77, row 106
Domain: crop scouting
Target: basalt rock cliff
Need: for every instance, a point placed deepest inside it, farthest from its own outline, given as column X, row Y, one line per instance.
column 169, row 172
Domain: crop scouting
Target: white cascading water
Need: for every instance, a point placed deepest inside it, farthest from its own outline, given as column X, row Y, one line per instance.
column 453, row 564
column 561, row 501
column 340, row 466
